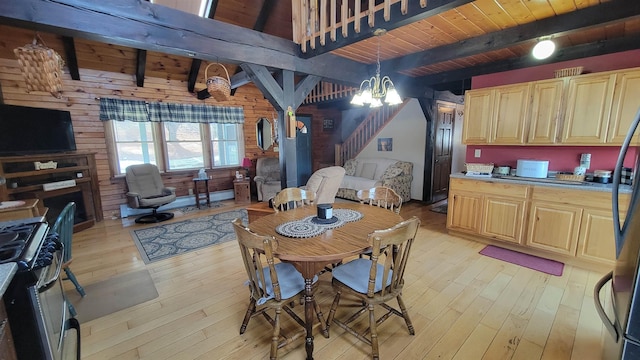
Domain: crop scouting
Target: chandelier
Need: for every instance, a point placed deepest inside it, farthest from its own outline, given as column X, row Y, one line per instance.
column 373, row 90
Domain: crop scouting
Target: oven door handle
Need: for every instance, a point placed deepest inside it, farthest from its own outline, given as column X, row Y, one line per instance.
column 48, row 283
column 73, row 323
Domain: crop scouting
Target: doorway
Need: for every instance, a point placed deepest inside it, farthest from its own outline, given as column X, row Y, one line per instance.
column 303, row 150
column 442, row 151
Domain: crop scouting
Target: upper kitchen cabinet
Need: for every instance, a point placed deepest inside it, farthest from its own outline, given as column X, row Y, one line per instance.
column 496, row 115
column 478, row 110
column 588, row 109
column 625, row 106
column 548, row 98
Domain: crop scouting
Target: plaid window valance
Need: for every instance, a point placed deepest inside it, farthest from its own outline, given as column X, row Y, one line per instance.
column 141, row 111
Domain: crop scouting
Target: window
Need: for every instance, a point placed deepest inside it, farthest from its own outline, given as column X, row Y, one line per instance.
column 182, row 144
column 134, row 143
column 172, row 136
column 224, row 144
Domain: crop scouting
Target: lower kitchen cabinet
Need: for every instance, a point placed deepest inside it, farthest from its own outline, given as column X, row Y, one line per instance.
column 597, row 226
column 568, row 224
column 503, row 219
column 554, row 227
column 463, row 212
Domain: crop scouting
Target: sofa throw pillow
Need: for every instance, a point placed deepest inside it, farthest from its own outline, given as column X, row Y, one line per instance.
column 368, row 170
column 391, row 172
column 350, row 167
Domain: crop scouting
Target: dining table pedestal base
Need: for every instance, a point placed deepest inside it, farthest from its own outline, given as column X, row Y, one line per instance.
column 309, row 270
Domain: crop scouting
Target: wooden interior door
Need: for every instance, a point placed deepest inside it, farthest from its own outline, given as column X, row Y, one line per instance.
column 442, row 152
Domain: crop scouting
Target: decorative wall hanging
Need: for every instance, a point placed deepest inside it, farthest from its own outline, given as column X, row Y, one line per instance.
column 385, row 144
column 41, row 67
column 218, row 87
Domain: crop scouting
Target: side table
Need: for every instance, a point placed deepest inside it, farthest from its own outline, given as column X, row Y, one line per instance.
column 201, row 194
column 241, row 191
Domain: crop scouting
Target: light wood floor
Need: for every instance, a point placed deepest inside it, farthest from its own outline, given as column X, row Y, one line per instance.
column 463, row 305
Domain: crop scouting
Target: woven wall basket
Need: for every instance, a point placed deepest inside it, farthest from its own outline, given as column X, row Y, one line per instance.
column 41, row 67
column 218, row 87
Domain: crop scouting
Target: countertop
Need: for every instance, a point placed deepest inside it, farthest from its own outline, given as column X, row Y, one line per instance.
column 6, row 274
column 576, row 185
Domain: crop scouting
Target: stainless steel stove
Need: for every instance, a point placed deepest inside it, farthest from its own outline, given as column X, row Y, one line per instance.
column 36, row 306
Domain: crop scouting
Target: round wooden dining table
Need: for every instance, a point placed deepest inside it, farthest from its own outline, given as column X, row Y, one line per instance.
column 311, row 255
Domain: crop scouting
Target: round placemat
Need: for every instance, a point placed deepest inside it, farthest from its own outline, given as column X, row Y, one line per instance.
column 347, row 215
column 300, row 229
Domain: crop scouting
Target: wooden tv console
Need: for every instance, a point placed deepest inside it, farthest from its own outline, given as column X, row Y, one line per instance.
column 69, row 176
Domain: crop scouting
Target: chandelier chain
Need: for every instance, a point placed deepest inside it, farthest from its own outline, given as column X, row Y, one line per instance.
column 378, row 61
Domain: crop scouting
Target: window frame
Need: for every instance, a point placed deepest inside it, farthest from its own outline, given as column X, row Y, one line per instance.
column 161, row 149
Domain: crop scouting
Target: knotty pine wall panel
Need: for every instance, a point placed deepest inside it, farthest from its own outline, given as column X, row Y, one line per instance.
column 81, row 99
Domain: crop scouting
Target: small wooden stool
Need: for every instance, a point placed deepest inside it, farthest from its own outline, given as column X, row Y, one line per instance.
column 205, row 192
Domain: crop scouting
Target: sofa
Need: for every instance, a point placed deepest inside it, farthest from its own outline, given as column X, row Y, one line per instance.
column 365, row 173
column 267, row 178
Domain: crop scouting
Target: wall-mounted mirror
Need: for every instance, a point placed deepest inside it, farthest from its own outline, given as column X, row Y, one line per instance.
column 263, row 132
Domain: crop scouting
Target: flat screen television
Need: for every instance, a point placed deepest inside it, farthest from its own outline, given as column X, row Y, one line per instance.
column 29, row 130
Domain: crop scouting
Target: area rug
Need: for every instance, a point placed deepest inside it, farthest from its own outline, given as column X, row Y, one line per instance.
column 106, row 297
column 190, row 209
column 440, row 209
column 163, row 241
column 547, row 266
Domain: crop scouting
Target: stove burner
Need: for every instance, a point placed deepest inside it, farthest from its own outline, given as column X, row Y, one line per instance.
column 11, row 251
column 20, row 241
column 8, row 237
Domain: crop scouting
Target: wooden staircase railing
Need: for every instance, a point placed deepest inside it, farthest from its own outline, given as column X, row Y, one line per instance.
column 325, row 91
column 365, row 132
column 312, row 19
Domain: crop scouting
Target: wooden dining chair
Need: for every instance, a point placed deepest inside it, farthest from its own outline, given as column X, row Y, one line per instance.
column 63, row 226
column 291, row 198
column 282, row 285
column 381, row 196
column 364, row 279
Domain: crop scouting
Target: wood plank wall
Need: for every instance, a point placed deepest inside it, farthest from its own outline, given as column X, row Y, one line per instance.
column 81, row 98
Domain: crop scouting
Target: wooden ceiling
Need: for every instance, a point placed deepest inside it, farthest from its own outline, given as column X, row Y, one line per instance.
column 458, row 40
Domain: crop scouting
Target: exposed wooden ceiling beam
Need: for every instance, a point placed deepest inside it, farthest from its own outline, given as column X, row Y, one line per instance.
column 212, row 9
column 193, row 74
column 141, row 65
column 414, row 13
column 571, row 53
column 146, row 26
column 72, row 59
column 261, row 21
column 265, row 13
column 557, row 25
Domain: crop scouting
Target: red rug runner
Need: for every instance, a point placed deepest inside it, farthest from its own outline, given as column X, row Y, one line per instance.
column 529, row 261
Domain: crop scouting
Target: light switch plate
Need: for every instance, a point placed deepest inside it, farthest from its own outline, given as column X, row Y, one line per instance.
column 477, row 153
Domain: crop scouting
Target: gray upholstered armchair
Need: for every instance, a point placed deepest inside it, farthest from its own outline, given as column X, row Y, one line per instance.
column 267, row 178
column 146, row 191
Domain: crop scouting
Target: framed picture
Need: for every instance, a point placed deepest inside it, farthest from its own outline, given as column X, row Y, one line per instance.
column 385, row 144
column 327, row 124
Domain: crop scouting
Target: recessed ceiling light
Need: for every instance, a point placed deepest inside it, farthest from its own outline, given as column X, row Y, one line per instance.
column 543, row 49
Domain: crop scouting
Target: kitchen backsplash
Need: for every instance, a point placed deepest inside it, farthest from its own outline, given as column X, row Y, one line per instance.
column 561, row 158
